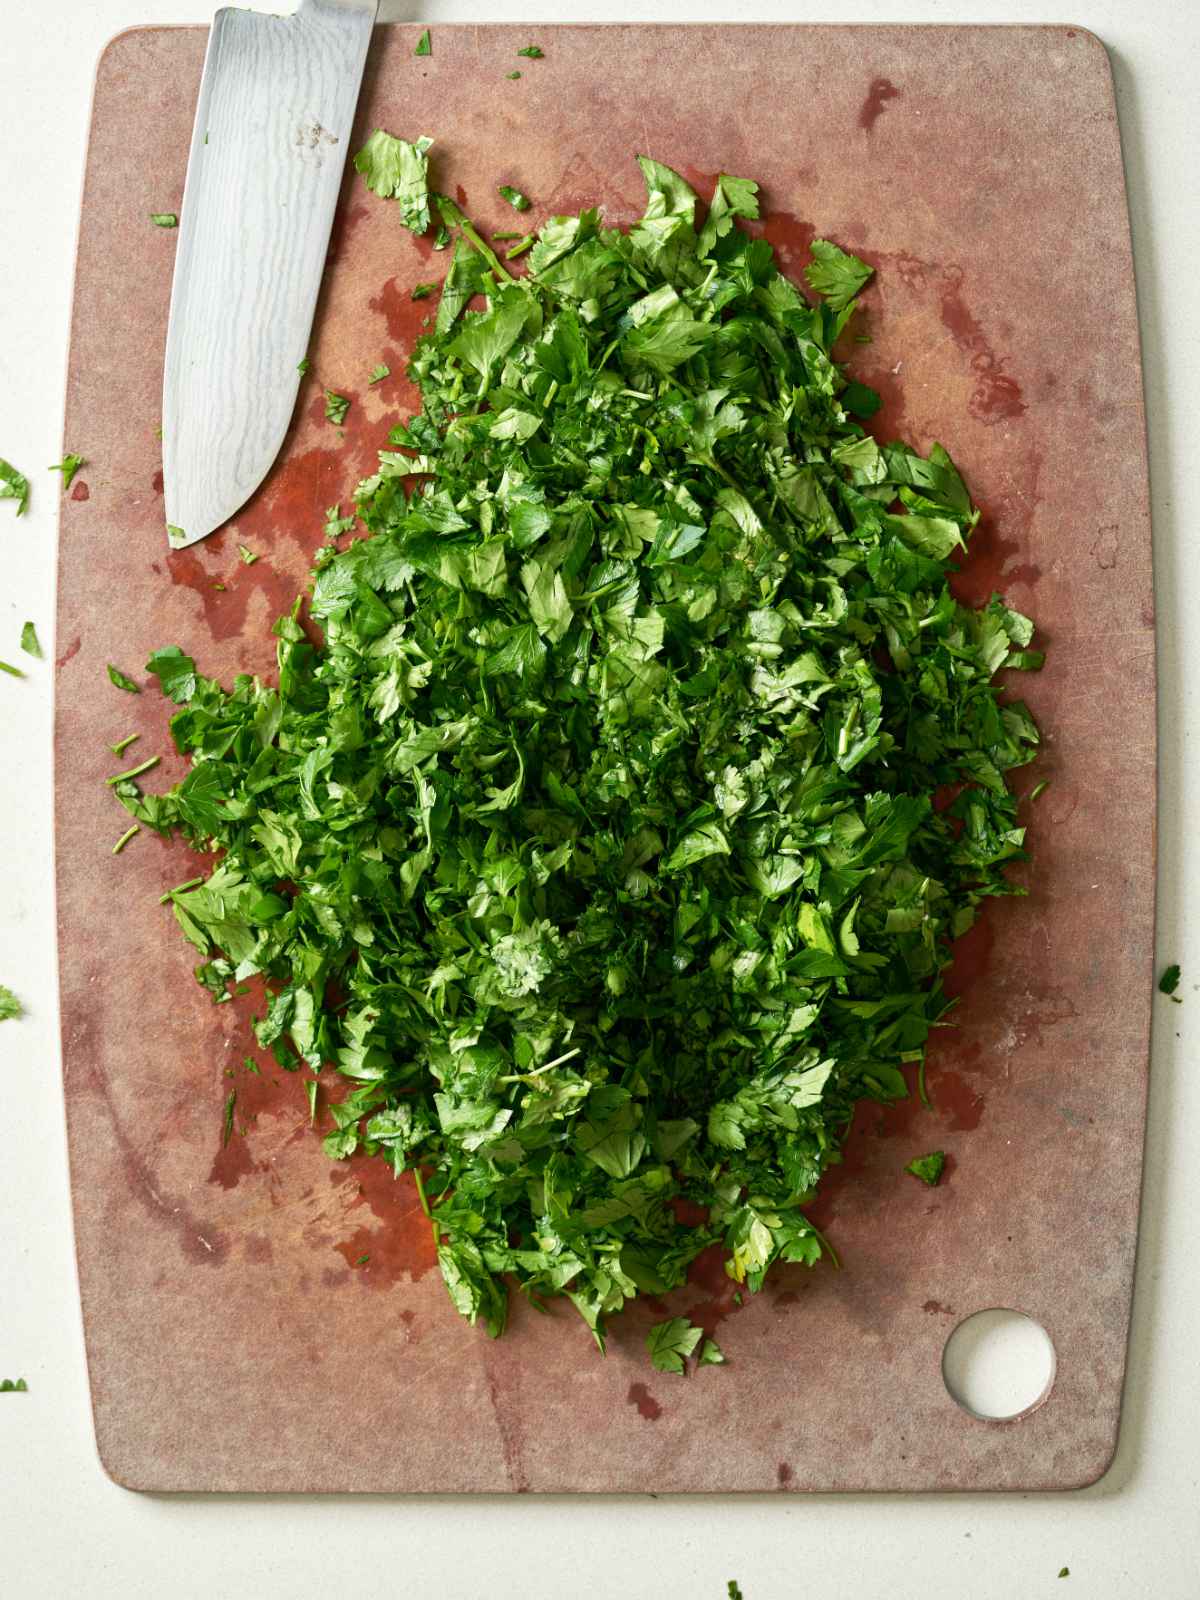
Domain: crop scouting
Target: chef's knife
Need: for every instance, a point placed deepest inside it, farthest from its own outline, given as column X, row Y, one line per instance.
column 268, row 149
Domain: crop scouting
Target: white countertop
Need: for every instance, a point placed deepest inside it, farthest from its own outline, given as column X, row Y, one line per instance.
column 65, row 1529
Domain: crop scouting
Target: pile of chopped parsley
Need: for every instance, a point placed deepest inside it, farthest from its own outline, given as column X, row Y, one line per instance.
column 601, row 845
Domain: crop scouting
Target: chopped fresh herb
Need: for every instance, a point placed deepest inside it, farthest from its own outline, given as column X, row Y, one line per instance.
column 13, row 672
column 512, row 74
column 13, row 1386
column 134, row 772
column 164, row 219
column 499, row 238
column 29, row 641
column 711, row 1354
column 175, row 535
column 249, row 1063
column 1064, row 1572
column 122, row 745
column 379, row 373
column 68, row 466
column 424, row 47
column 517, row 200
column 671, row 1342
column 362, row 1261
column 311, row 1087
column 125, row 838
column 835, row 275
column 533, row 51
column 422, row 291
column 227, row 1118
column 303, row 365
column 14, row 486
column 928, row 1168
column 249, row 557
column 117, row 677
column 1039, row 788
column 520, row 247
column 398, row 170
column 181, row 888
column 605, row 802
column 10, row 1006
column 1169, row 981
column 734, row 1590
column 442, row 237
column 336, row 407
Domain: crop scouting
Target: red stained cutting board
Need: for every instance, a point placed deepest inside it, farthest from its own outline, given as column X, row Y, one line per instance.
column 233, row 1341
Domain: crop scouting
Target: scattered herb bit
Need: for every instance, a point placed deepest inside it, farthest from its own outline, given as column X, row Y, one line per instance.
column 671, row 1342
column 520, row 247
column 442, row 237
column 117, row 677
column 336, row 524
column 10, row 1006
column 180, row 888
column 249, row 1063
column 398, row 170
column 175, row 535
column 1064, row 1572
column 1169, row 981
column 928, row 1168
column 835, row 275
column 422, row 291
column 125, row 838
column 249, row 557
column 164, row 219
column 498, row 238
column 711, row 1354
column 533, row 51
column 14, row 486
column 1039, row 788
column 517, row 200
column 303, row 365
column 29, row 641
column 512, row 74
column 134, row 772
column 735, row 1590
column 13, row 1386
column 424, row 46
column 68, row 466
column 362, row 1261
column 336, row 407
column 605, row 801
column 122, row 745
column 310, row 1088
column 379, row 373
column 13, row 672
column 227, row 1120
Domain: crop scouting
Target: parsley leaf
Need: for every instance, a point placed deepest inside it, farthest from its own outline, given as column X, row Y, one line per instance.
column 928, row 1168
column 13, row 1386
column 336, row 407
column 396, row 169
column 379, row 373
column 10, row 1006
column 14, row 486
column 533, row 51
column 1169, row 981
column 29, row 641
column 68, row 466
column 671, row 1342
column 424, row 47
column 164, row 219
column 517, row 200
column 121, row 680
column 835, row 274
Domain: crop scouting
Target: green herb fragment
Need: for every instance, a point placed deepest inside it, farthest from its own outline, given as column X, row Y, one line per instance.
column 499, row 238
column 671, row 1342
column 424, row 46
column 125, row 838
column 442, row 237
column 250, row 1065
column 362, row 1261
column 164, row 219
column 422, row 291
column 303, row 365
column 1064, row 1572
column 68, row 466
column 734, row 1589
column 122, row 745
column 1169, row 981
column 10, row 1006
column 1039, row 788
column 14, row 486
column 310, row 1088
column 928, row 1168
column 520, row 247
column 398, row 170
column 835, row 275
column 13, row 1386
column 175, row 536
column 29, row 641
column 227, row 1117
column 533, row 51
column 121, row 681
column 248, row 556
column 13, row 672
column 379, row 373
column 181, row 888
column 336, row 407
column 591, row 841
column 711, row 1354
column 134, row 772
column 512, row 74
column 517, row 200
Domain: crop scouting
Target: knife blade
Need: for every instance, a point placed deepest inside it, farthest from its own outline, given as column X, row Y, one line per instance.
column 268, row 149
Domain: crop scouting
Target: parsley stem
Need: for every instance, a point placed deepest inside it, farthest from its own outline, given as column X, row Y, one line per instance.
column 922, row 1091
column 122, row 745
column 826, row 1246
column 179, row 889
column 453, row 217
column 12, row 671
column 134, row 772
column 417, row 1179
column 125, row 838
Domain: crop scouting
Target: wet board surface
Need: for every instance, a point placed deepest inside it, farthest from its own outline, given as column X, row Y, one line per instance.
column 233, row 1342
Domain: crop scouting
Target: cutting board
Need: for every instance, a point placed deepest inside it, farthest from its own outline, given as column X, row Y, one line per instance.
column 236, row 1337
